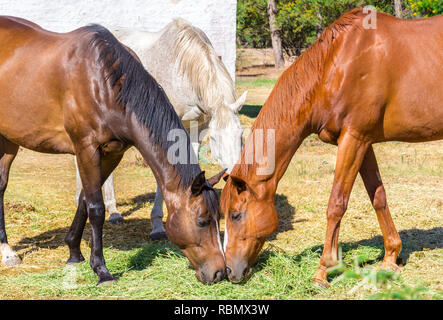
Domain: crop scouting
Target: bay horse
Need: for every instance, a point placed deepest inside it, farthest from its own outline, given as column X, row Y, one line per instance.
column 354, row 87
column 84, row 93
column 183, row 61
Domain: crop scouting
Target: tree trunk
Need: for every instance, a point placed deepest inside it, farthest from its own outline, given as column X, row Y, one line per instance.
column 319, row 24
column 275, row 35
column 398, row 8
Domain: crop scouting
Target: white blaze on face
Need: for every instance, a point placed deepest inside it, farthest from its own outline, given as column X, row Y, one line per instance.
column 225, row 240
column 219, row 240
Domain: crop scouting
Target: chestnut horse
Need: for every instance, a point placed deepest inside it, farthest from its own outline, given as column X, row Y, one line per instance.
column 83, row 93
column 354, row 87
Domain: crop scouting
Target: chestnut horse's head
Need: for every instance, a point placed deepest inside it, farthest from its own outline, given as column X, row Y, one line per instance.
column 194, row 228
column 250, row 218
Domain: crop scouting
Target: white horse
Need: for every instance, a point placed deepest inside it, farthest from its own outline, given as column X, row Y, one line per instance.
column 182, row 60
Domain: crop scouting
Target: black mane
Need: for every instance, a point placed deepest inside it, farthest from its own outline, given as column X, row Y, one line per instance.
column 140, row 93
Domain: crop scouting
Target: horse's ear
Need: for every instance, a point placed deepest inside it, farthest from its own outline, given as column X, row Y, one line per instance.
column 215, row 179
column 198, row 184
column 239, row 184
column 237, row 105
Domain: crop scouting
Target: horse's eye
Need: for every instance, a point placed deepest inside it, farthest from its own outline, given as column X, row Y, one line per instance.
column 203, row 222
column 235, row 216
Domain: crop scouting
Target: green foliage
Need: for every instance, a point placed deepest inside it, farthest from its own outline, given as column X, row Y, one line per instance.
column 301, row 21
column 158, row 270
column 253, row 24
column 404, row 292
column 426, row 8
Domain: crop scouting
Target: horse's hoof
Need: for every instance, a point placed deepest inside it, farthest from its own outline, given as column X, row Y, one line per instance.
column 159, row 236
column 390, row 266
column 12, row 261
column 75, row 260
column 107, row 283
column 323, row 284
column 115, row 218
column 107, row 280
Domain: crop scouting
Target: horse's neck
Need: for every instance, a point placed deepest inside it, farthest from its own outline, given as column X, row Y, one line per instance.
column 289, row 123
column 167, row 175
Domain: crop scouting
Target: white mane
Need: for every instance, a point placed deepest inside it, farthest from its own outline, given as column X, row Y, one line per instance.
column 198, row 62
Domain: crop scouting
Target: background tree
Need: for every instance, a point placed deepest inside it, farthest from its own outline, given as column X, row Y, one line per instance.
column 398, row 8
column 300, row 22
column 275, row 34
column 253, row 24
column 426, row 8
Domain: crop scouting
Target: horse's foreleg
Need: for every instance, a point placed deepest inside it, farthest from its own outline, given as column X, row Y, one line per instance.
column 110, row 202
column 8, row 151
column 158, row 230
column 94, row 171
column 371, row 177
column 351, row 152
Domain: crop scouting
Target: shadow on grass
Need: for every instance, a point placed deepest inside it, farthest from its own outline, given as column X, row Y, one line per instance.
column 250, row 111
column 286, row 213
column 150, row 251
column 414, row 240
column 137, row 203
column 131, row 234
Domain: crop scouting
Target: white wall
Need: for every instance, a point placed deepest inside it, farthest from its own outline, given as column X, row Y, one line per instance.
column 217, row 18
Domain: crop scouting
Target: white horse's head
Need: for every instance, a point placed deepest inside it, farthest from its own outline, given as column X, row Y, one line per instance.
column 201, row 85
column 225, row 133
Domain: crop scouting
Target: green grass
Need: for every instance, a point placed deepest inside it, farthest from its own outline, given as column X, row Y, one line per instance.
column 257, row 83
column 160, row 271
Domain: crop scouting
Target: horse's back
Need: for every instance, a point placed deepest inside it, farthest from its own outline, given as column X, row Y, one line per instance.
column 393, row 78
column 414, row 106
column 34, row 64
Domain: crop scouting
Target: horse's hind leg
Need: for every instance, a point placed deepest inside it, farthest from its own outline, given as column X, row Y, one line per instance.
column 371, row 177
column 158, row 230
column 110, row 201
column 8, row 151
column 351, row 152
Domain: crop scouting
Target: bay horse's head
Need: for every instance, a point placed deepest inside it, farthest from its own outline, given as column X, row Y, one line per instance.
column 249, row 219
column 194, row 229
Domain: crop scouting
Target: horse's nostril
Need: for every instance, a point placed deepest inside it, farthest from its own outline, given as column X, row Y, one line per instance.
column 219, row 275
column 245, row 272
column 229, row 271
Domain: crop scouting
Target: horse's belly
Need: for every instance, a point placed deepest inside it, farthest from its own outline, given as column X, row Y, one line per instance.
column 414, row 126
column 415, row 110
column 38, row 139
